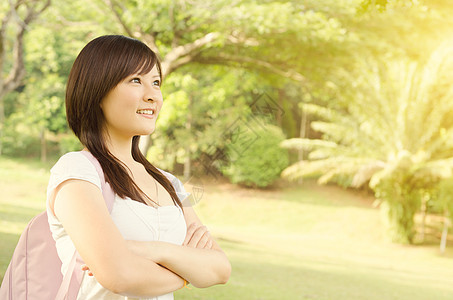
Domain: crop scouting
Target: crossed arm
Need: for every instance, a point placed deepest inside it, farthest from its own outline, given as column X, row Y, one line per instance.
column 199, row 260
column 141, row 269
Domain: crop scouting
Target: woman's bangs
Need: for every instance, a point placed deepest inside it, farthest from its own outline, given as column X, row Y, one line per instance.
column 146, row 62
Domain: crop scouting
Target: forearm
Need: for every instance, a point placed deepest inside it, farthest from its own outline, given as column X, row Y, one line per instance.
column 201, row 267
column 145, row 278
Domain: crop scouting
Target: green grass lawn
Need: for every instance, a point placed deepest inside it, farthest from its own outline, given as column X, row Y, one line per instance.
column 304, row 242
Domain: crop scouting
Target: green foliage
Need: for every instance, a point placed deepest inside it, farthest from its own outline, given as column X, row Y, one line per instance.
column 199, row 104
column 69, row 143
column 201, row 100
column 382, row 5
column 400, row 201
column 441, row 201
column 19, row 140
column 254, row 156
column 37, row 107
column 377, row 137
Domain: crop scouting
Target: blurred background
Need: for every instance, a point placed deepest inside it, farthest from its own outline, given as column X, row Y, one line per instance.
column 316, row 137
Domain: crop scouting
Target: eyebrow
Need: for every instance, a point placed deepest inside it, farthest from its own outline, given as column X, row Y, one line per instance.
column 138, row 74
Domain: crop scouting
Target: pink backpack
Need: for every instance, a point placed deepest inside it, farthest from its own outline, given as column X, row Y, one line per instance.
column 35, row 268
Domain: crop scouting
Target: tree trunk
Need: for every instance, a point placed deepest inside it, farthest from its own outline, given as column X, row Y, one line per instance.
column 425, row 199
column 281, row 97
column 187, row 162
column 43, row 145
column 2, row 120
column 443, row 240
column 187, row 165
column 16, row 74
column 302, row 135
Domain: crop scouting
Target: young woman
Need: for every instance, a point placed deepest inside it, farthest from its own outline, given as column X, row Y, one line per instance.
column 150, row 244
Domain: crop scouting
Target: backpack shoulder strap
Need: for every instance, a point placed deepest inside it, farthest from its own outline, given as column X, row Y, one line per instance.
column 107, row 192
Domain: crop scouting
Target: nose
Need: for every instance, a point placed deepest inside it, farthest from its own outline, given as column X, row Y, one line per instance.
column 152, row 94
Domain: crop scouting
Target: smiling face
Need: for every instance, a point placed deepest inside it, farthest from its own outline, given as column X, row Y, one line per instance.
column 131, row 108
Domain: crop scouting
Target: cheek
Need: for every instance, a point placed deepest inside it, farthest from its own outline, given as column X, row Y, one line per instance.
column 125, row 103
column 116, row 109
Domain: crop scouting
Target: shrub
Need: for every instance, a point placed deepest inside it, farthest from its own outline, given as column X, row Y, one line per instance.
column 400, row 197
column 255, row 158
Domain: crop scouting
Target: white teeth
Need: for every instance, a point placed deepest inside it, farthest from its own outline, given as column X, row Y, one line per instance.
column 146, row 111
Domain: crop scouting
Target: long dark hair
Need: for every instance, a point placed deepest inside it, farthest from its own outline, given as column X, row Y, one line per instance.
column 101, row 65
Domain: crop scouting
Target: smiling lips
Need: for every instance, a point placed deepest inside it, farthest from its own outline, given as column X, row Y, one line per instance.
column 148, row 113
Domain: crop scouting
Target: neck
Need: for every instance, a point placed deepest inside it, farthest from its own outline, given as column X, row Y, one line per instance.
column 121, row 148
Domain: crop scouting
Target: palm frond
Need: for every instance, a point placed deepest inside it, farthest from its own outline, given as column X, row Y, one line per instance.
column 442, row 168
column 306, row 144
column 322, row 112
column 305, row 168
column 365, row 172
column 378, row 176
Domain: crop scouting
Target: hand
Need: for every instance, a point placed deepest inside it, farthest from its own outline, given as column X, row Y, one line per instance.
column 86, row 268
column 198, row 237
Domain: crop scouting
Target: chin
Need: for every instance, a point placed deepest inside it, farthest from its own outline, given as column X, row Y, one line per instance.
column 147, row 132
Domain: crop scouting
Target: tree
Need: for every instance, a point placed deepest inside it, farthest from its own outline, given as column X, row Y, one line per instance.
column 269, row 36
column 395, row 134
column 16, row 17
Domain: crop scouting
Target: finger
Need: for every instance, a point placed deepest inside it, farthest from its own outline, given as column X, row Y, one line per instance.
column 204, row 240
column 209, row 245
column 190, row 230
column 197, row 235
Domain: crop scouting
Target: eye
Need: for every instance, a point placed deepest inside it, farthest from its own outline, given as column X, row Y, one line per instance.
column 156, row 82
column 136, row 80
